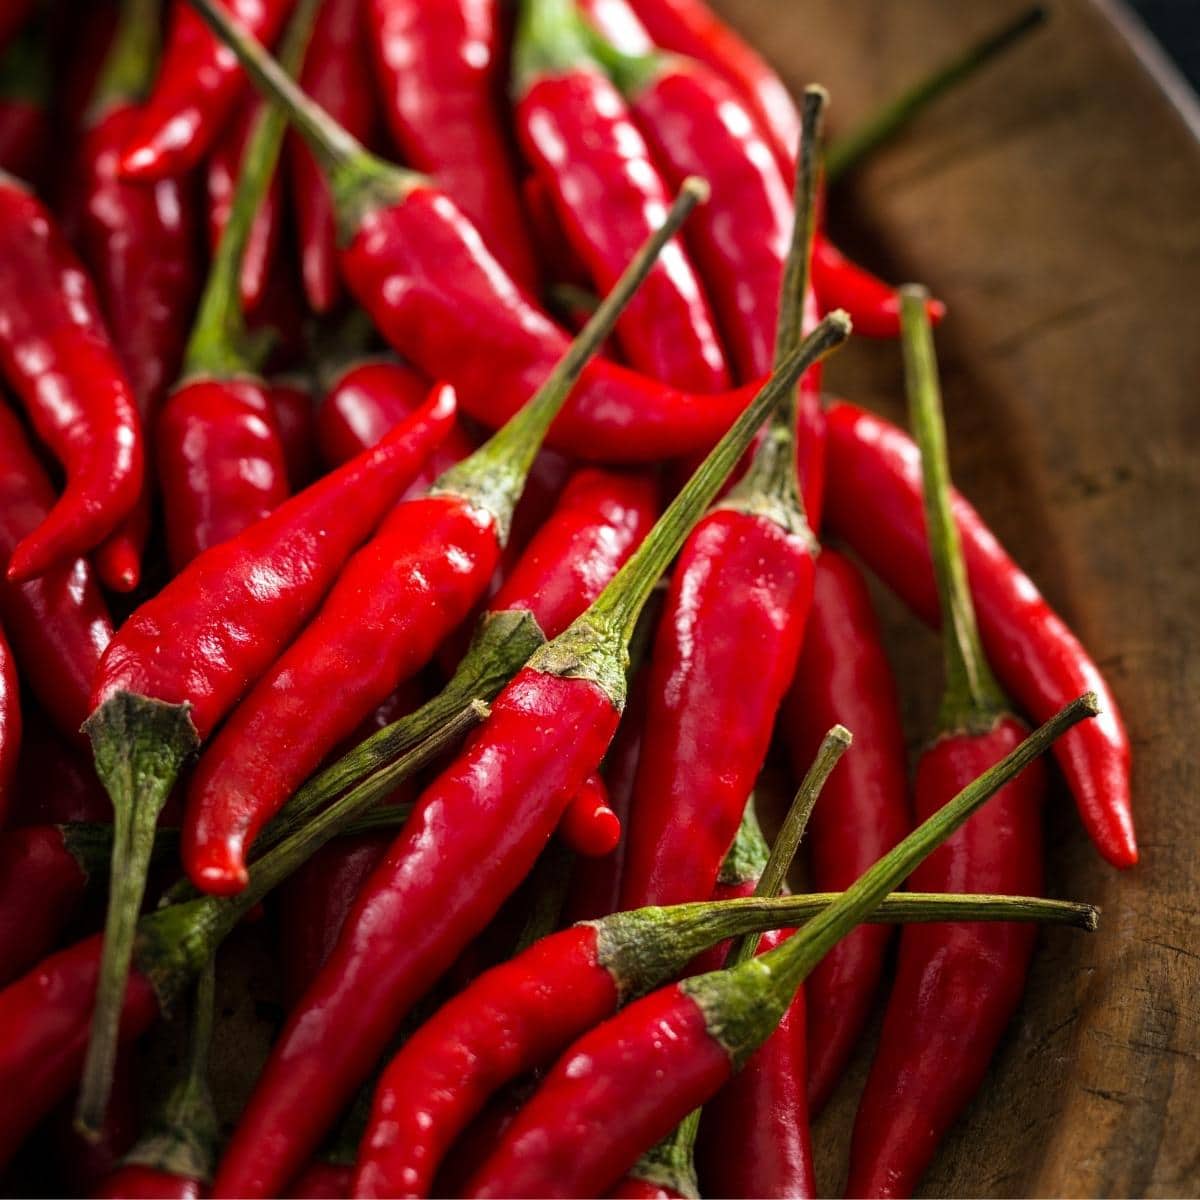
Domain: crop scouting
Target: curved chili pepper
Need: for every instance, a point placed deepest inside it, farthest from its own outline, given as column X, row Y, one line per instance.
column 10, row 723
column 334, row 77
column 197, row 87
column 875, row 504
column 140, row 244
column 728, row 642
column 185, row 657
column 589, row 826
column 56, row 355
column 578, row 135
column 417, row 266
column 440, row 68
column 222, row 462
column 24, row 121
column 52, row 1007
column 957, row 986
column 843, row 676
column 224, row 167
column 547, row 732
column 44, row 871
column 369, row 398
column 58, row 622
column 629, row 1081
column 174, row 1156
column 395, row 601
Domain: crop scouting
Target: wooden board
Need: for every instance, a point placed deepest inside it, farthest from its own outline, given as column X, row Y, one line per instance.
column 1053, row 203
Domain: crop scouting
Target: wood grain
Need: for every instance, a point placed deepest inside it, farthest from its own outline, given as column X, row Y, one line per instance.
column 1052, row 203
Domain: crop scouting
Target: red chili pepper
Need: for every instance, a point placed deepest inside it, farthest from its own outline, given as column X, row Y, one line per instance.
column 56, row 355
column 185, row 657
column 395, row 602
column 440, row 68
column 589, row 826
column 630, row 1080
column 292, row 402
column 371, row 397
column 323, row 1181
column 173, row 1159
column 334, row 76
column 24, row 120
column 54, row 784
column 197, row 88
column 957, row 986
column 58, row 623
column 224, row 167
column 728, row 643
column 843, row 676
column 547, row 732
column 421, row 271
column 222, row 462
column 10, row 723
column 618, row 24
column 875, row 504
column 578, row 134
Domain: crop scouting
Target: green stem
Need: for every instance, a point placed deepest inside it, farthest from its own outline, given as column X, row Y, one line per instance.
column 771, row 485
column 630, row 73
column 847, row 152
column 747, row 857
column 744, row 1005
column 220, row 344
column 495, row 474
column 174, row 943
column 671, row 1163
column 596, row 645
column 181, row 1140
column 972, row 699
column 138, row 745
column 360, row 182
column 783, row 850
column 132, row 59
column 549, row 40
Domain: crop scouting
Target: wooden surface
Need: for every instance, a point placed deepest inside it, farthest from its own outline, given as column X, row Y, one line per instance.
column 1054, row 203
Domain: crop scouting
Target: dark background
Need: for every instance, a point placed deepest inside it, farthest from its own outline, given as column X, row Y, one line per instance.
column 1176, row 24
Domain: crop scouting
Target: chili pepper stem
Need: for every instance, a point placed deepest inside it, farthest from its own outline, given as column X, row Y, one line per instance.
column 771, row 484
column 182, row 1139
column 360, row 182
column 128, row 67
column 972, row 700
column 139, row 745
column 595, row 646
column 783, row 850
column 549, row 40
column 220, row 343
column 743, row 1006
column 671, row 1163
column 494, row 476
column 849, row 151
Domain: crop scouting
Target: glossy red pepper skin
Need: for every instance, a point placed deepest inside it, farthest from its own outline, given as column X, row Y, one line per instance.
column 844, row 677
column 58, row 623
column 222, row 463
column 41, row 887
column 589, row 826
column 724, row 654
column 334, row 76
column 322, row 1181
column 210, row 633
column 46, row 1015
column 618, row 24
column 223, row 168
column 634, row 1188
column 691, row 28
column 577, row 133
column 365, row 402
column 475, row 833
column 600, row 1125
column 754, row 1137
column 957, row 985
column 440, row 68
column 56, row 354
column 136, row 1182
column 11, row 724
column 514, row 1018
column 197, row 88
column 439, row 298
column 875, row 504
column 392, row 605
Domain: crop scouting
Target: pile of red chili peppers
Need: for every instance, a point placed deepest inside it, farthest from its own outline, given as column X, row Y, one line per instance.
column 353, row 356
